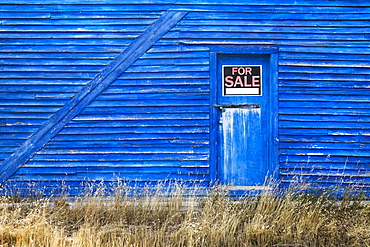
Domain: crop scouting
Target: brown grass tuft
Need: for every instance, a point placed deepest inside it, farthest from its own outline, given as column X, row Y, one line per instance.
column 179, row 217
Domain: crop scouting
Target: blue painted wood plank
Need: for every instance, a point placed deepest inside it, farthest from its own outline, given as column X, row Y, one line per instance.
column 89, row 2
column 325, row 63
column 118, row 157
column 156, row 81
column 165, row 75
column 45, row 61
column 78, row 45
column 43, row 88
column 28, row 109
column 43, row 75
column 274, row 7
column 60, row 7
column 137, row 136
column 355, row 132
column 30, row 122
column 60, row 46
column 55, row 68
column 328, row 98
column 225, row 24
column 20, row 15
column 334, row 77
column 54, row 102
column 86, row 47
column 106, row 15
column 161, row 129
column 268, row 41
column 325, row 166
column 322, row 159
column 175, row 49
column 116, row 96
column 86, row 95
column 328, row 54
column 325, row 104
column 117, row 170
column 330, row 178
column 178, row 62
column 283, row 15
column 79, row 29
column 317, row 86
column 132, row 23
column 320, row 70
column 96, row 62
column 13, row 136
column 303, row 131
column 324, row 111
column 320, row 118
column 147, row 110
column 127, row 164
column 319, row 139
column 10, row 143
column 29, row 8
column 204, row 8
column 42, row 81
column 84, row 177
column 175, row 54
column 159, row 102
column 278, row 3
column 254, row 27
column 126, row 150
column 325, row 50
column 157, row 68
column 120, row 6
column 34, row 56
column 162, row 116
column 105, row 145
column 324, row 152
column 27, row 115
column 194, row 36
column 320, row 146
column 18, row 96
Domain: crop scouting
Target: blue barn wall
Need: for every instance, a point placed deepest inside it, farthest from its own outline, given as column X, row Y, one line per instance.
column 152, row 120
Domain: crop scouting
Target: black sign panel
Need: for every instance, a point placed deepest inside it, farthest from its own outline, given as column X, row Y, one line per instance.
column 242, row 80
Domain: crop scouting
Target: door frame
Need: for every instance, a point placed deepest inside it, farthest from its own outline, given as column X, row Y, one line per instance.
column 272, row 51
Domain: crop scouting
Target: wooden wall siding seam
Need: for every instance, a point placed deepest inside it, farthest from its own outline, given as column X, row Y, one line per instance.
column 199, row 3
column 101, row 81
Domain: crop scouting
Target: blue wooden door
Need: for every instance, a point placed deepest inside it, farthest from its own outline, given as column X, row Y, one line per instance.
column 243, row 126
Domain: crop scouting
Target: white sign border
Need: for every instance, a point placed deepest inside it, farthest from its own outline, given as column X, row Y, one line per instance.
column 233, row 95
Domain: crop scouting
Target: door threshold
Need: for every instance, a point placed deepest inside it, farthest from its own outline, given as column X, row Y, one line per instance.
column 226, row 187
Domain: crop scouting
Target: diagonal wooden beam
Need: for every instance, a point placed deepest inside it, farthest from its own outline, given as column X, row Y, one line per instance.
column 100, row 82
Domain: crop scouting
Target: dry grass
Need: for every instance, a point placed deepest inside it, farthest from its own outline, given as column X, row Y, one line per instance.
column 151, row 219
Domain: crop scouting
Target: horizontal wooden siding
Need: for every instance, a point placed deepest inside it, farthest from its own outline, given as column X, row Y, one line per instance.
column 152, row 123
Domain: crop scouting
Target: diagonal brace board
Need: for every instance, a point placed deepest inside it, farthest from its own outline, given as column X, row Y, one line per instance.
column 83, row 98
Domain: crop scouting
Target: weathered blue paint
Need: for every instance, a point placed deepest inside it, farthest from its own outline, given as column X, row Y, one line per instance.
column 73, row 107
column 155, row 121
column 245, row 133
column 243, row 147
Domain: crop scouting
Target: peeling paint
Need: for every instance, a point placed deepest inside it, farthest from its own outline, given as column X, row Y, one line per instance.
column 242, row 145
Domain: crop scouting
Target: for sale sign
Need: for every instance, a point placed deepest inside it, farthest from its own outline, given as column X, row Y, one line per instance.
column 242, row 80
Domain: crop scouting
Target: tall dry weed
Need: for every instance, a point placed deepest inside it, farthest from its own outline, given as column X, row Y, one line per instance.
column 179, row 216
